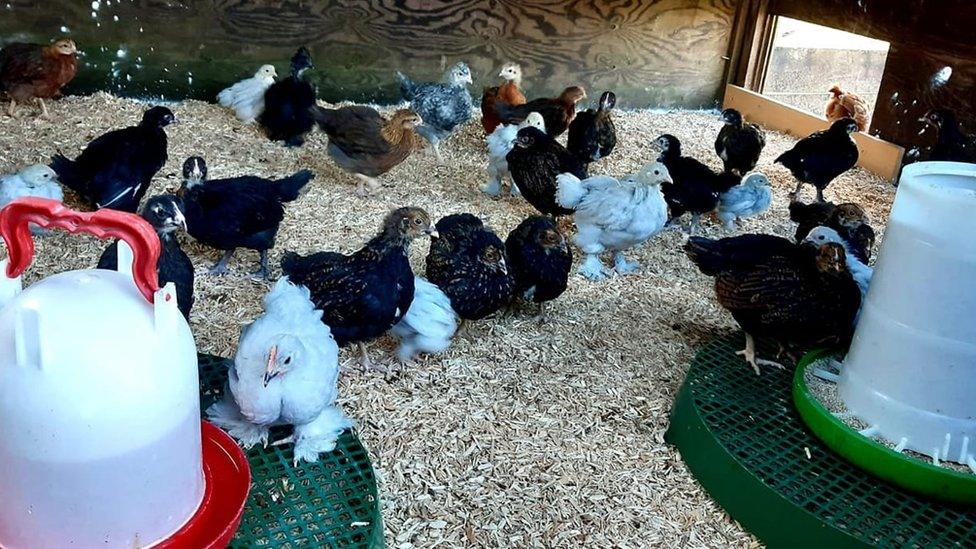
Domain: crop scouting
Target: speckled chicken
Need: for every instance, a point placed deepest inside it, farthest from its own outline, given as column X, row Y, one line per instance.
column 285, row 372
column 287, row 112
column 500, row 143
column 534, row 163
column 366, row 293
column 848, row 219
column 615, row 216
column 694, row 187
column 822, row 156
column 364, row 144
column 237, row 212
column 36, row 71
column 952, row 144
column 592, row 134
column 750, row 198
column 847, row 105
column 443, row 106
column 558, row 112
column 246, row 97
column 539, row 259
column 467, row 261
column 508, row 91
column 165, row 215
column 794, row 294
column 739, row 144
column 429, row 324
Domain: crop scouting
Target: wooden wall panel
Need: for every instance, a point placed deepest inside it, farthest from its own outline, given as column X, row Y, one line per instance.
column 653, row 53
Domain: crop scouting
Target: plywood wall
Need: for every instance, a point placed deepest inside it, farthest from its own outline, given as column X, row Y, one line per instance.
column 659, row 53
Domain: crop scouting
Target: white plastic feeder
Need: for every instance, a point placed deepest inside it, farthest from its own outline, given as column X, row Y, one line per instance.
column 911, row 370
column 100, row 442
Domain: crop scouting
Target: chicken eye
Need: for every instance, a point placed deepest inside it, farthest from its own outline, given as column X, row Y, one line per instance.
column 416, row 221
column 287, row 361
column 657, row 172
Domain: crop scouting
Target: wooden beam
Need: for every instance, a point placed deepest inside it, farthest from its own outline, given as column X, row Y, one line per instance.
column 876, row 155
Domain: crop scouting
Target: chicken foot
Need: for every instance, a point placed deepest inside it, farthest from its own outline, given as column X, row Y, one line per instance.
column 622, row 266
column 593, row 268
column 220, row 268
column 367, row 185
column 263, row 272
column 749, row 354
column 44, row 114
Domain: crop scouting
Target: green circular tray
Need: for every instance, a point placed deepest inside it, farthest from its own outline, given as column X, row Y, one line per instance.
column 916, row 476
column 330, row 503
column 743, row 440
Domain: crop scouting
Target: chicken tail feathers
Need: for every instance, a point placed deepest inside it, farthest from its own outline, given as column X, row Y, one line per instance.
column 406, row 85
column 706, row 254
column 429, row 323
column 290, row 188
column 725, row 181
column 68, row 175
column 570, row 190
column 324, row 118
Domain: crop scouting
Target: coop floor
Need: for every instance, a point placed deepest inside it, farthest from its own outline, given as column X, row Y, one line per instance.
column 519, row 435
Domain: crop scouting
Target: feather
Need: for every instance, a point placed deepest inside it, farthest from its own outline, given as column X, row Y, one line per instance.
column 429, row 323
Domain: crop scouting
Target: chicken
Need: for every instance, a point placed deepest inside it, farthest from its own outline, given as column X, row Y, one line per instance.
column 615, row 216
column 750, row 198
column 508, row 92
column 848, row 219
column 952, row 145
column 847, row 105
column 822, row 156
column 801, row 295
column 247, row 96
column 592, row 135
column 500, row 143
column 362, row 142
column 739, row 144
column 35, row 71
column 429, row 323
column 694, row 188
column 860, row 271
column 467, row 261
column 558, row 113
column 539, row 260
column 238, row 212
column 38, row 181
column 443, row 106
column 366, row 293
column 285, row 372
column 173, row 265
column 114, row 170
column 287, row 112
column 534, row 163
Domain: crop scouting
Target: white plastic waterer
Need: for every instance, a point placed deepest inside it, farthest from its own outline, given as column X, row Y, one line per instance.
column 100, row 442
column 911, row 370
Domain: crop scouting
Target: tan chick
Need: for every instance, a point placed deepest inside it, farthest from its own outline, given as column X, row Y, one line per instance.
column 847, row 105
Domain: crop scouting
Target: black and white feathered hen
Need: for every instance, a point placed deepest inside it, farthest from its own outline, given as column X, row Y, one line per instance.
column 539, row 259
column 443, row 106
column 287, row 112
column 535, row 162
column 739, row 144
column 820, row 157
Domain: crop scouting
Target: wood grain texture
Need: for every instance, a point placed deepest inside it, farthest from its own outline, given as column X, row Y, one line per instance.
column 652, row 53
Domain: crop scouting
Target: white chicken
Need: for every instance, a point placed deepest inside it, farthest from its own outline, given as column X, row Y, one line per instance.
column 285, row 373
column 751, row 197
column 500, row 143
column 247, row 96
column 614, row 215
column 38, row 181
column 429, row 324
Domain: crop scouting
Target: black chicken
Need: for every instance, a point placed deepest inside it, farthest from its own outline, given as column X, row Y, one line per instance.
column 849, row 220
column 820, row 157
column 534, row 162
column 695, row 188
column 592, row 134
column 467, row 262
column 114, row 170
column 539, row 260
column 796, row 294
column 364, row 294
column 287, row 112
column 239, row 212
column 952, row 144
column 164, row 214
column 738, row 144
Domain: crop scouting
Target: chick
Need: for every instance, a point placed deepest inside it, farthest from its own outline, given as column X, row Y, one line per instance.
column 615, row 215
column 443, row 106
column 38, row 181
column 738, row 144
column 534, row 162
column 429, row 324
column 114, row 170
column 287, row 112
column 861, row 272
column 35, row 71
column 247, row 96
column 508, row 92
column 362, row 142
column 285, row 372
column 173, row 265
column 366, row 293
column 848, row 219
column 750, row 198
column 540, row 261
column 694, row 188
column 467, row 262
column 592, row 134
column 820, row 157
column 847, row 105
column 558, row 112
column 952, row 144
column 500, row 143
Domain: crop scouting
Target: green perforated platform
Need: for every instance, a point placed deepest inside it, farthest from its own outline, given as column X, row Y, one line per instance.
column 742, row 438
column 331, row 503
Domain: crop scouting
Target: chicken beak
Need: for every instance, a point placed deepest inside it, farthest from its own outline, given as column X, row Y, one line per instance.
column 270, row 372
column 432, row 232
column 180, row 219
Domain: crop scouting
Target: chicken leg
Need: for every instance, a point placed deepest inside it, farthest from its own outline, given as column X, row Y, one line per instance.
column 220, row 268
column 263, row 272
column 12, row 109
column 593, row 268
column 366, row 185
column 820, row 197
column 44, row 114
column 749, row 354
column 622, row 266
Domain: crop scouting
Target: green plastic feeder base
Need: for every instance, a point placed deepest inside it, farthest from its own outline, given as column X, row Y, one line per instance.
column 743, row 440
column 330, row 503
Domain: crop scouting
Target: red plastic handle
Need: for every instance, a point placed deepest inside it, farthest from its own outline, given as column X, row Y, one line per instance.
column 16, row 217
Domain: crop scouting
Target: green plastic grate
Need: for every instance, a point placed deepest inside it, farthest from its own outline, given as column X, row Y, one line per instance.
column 330, row 503
column 745, row 443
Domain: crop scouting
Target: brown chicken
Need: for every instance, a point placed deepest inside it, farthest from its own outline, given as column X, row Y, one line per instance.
column 35, row 71
column 847, row 105
column 508, row 92
column 362, row 142
column 558, row 112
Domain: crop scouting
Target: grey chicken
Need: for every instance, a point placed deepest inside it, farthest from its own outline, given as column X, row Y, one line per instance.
column 443, row 106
